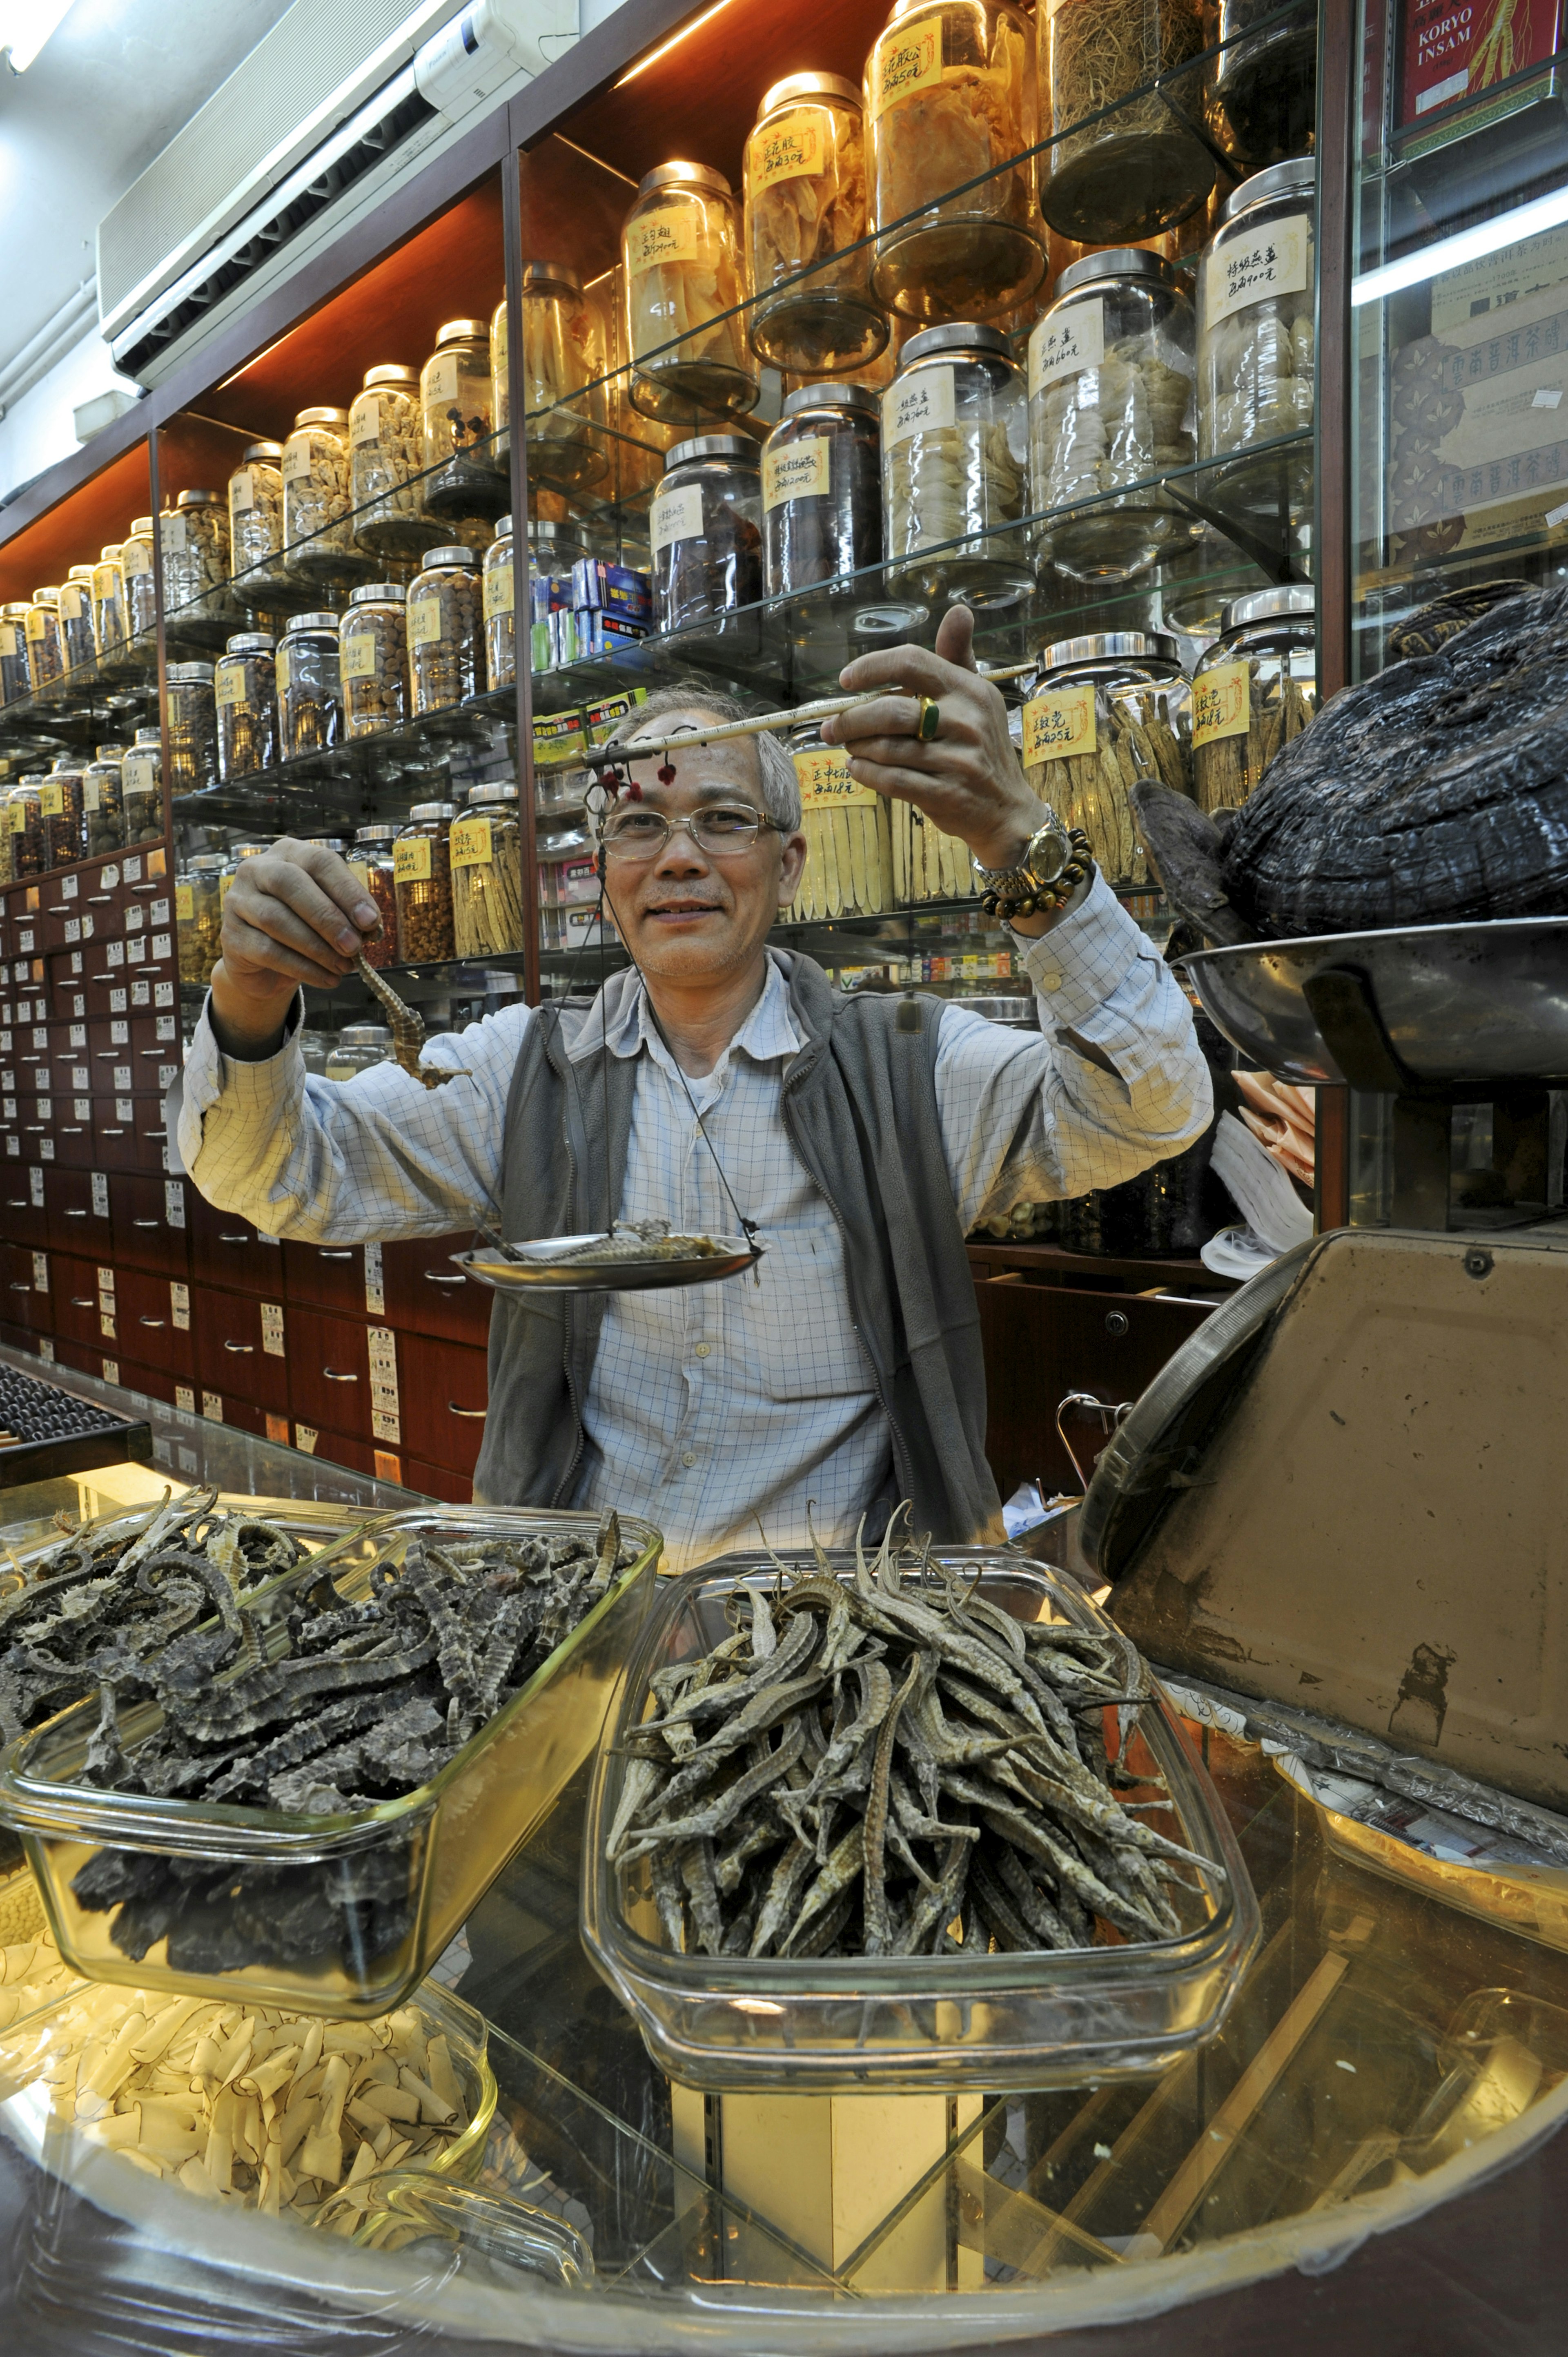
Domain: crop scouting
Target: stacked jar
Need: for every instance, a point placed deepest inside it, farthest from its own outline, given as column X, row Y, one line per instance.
column 445, row 660
column 463, row 477
column 500, row 599
column 822, row 487
column 421, row 864
column 562, row 431
column 137, row 564
column 1135, row 166
column 685, row 278
column 103, row 801
column 190, row 720
column 62, row 801
column 1255, row 338
column 111, row 629
column 486, row 850
column 1105, row 712
column 14, row 680
column 372, row 659
column 28, row 826
column 372, row 862
column 193, row 542
column 1262, row 85
column 79, row 648
column 954, row 444
column 7, row 860
column 706, row 529
column 385, row 454
column 199, row 916
column 358, row 1048
column 318, row 534
column 805, row 205
column 310, row 708
column 256, row 528
column 46, row 659
column 244, row 689
column 141, row 784
column 637, row 444
column 1253, row 690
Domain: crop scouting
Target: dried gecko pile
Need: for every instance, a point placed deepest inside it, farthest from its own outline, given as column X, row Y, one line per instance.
column 125, row 1589
column 894, row 1767
column 263, row 2109
column 359, row 1703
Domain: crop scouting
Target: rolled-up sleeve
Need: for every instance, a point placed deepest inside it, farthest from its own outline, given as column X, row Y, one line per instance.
column 349, row 1162
column 1026, row 1118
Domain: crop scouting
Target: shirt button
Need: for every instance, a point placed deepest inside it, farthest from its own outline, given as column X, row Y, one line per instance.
column 1050, row 982
column 688, row 1458
column 704, row 1349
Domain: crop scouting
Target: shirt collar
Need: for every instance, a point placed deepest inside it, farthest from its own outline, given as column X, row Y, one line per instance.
column 620, row 1018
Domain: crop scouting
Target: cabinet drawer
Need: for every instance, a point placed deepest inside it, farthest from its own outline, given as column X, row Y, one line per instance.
column 329, row 1372
column 232, row 1352
column 445, row 1390
column 73, row 1288
column 325, row 1276
column 227, row 1251
column 148, row 1313
column 23, row 1219
column 426, row 1295
column 381, row 1464
column 438, row 1481
column 145, row 1235
column 77, row 1208
column 243, row 1415
column 135, row 1145
column 26, row 1302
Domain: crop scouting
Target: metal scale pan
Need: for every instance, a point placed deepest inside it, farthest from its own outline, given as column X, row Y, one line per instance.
column 541, row 1266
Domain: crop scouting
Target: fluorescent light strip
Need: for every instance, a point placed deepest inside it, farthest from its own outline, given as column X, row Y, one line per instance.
column 25, row 26
column 672, row 43
column 1467, row 245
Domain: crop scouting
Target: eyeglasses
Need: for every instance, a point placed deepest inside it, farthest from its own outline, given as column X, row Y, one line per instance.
column 723, row 830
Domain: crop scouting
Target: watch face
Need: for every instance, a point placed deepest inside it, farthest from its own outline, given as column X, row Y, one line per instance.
column 1048, row 852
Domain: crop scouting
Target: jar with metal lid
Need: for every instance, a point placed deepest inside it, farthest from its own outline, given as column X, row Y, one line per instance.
column 563, row 430
column 445, row 663
column 849, row 835
column 14, row 681
column 358, row 1048
column 140, row 787
column 954, row 446
column 685, row 275
column 111, row 628
column 244, row 686
column 26, row 805
column 45, row 648
column 1255, row 341
column 1254, row 689
column 79, row 649
column 462, row 472
column 103, row 801
column 318, row 534
column 310, row 704
column 372, row 659
column 1104, row 712
column 199, row 916
column 486, row 850
column 1139, row 168
column 499, row 594
column 193, row 543
column 1111, row 405
column 950, row 89
column 637, row 445
column 421, row 875
column 805, row 204
column 1262, row 84
column 386, row 451
column 707, row 528
column 256, row 528
column 822, row 487
column 372, row 861
column 190, row 723
column 137, row 563
column 65, row 827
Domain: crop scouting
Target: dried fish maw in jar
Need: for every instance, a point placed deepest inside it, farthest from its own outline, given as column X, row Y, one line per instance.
column 685, row 280
column 950, row 94
column 954, row 449
column 562, row 424
column 1135, row 170
column 1256, row 362
column 805, row 204
column 1103, row 713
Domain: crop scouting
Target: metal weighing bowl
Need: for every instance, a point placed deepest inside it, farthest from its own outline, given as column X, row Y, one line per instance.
column 540, row 1265
column 1455, row 1003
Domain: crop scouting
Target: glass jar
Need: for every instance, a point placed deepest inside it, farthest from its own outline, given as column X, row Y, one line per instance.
column 499, row 604
column 372, row 861
column 951, row 90
column 1140, row 169
column 140, row 786
column 256, row 528
column 822, row 487
column 372, row 659
column 1253, row 690
column 421, row 875
column 686, row 275
column 318, row 534
column 1256, row 342
column 65, row 826
column 486, row 850
column 27, row 836
column 244, row 686
column 111, row 629
column 199, row 916
column 1104, row 712
column 849, row 835
column 193, row 540
column 310, row 704
column 444, row 656
column 137, row 563
column 563, row 434
column 46, row 654
column 79, row 649
column 637, row 445
column 1262, row 85
column 358, row 1047
column 191, row 722
column 15, row 682
column 463, row 477
column 8, row 857
column 385, row 457
column 1111, row 404
column 805, row 202
column 103, row 801
column 954, row 445
column 706, row 526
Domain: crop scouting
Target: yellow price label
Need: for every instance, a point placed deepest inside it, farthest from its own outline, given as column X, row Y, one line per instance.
column 1221, row 704
column 1059, row 726
column 358, row 655
column 667, row 235
column 51, row 801
column 470, row 840
column 905, row 61
column 826, row 784
column 500, row 591
column 184, row 904
column 410, row 860
column 790, row 149
column 424, row 621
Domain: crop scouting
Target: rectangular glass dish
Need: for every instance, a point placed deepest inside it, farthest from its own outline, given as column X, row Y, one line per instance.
column 396, row 1881
column 1047, row 2017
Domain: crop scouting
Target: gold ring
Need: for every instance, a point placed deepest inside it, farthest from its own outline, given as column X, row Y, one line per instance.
column 930, row 719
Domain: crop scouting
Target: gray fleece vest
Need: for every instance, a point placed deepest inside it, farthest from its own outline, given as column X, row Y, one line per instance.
column 860, row 1106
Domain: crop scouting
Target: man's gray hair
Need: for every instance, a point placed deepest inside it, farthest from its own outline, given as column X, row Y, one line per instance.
column 780, row 786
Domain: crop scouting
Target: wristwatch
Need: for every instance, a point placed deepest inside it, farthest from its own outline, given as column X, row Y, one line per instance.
column 1056, row 860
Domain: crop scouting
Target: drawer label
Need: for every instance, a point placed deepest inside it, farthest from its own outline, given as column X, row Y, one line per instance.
column 174, row 1203
column 40, row 1271
column 213, row 1407
column 306, row 1438
column 110, row 1371
column 179, row 1305
column 185, row 1397
column 375, row 1290
column 272, row 1330
column 101, row 1211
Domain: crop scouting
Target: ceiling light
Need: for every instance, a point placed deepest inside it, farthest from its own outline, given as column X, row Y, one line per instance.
column 665, row 46
column 1466, row 245
column 25, row 26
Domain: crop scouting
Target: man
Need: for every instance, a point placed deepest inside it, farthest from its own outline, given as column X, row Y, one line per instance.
column 862, row 1135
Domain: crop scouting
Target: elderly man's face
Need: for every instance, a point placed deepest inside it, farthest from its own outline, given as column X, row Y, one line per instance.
column 686, row 913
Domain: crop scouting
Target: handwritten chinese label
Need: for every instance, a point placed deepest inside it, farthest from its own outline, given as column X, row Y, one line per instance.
column 1066, row 344
column 1059, row 725
column 51, row 801
column 440, row 379
column 789, row 149
column 242, row 493
column 676, row 514
column 669, row 235
column 72, row 602
column 281, row 675
column 1220, row 704
column 8, row 647
column 1250, row 270
column 826, row 783
column 424, row 621
column 907, row 60
column 410, row 860
column 295, row 465
column 359, row 656
column 799, row 472
column 470, row 843
column 228, row 686
column 923, row 404
column 365, row 425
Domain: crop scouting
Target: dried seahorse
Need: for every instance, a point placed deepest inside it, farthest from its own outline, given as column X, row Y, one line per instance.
column 407, row 1030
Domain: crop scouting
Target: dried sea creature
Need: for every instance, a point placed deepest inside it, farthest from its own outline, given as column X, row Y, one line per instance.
column 408, row 1030
column 639, row 1240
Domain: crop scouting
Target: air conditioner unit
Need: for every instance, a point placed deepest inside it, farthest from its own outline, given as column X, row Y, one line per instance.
column 339, row 101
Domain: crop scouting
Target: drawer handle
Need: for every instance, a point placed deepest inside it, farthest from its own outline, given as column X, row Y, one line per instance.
column 21, row 1288
column 144, row 1223
column 322, row 1253
column 82, row 1301
column 242, row 1350
column 151, row 1321
column 330, row 1373
column 452, row 1409
column 432, row 1278
column 225, row 1237
column 76, row 1215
